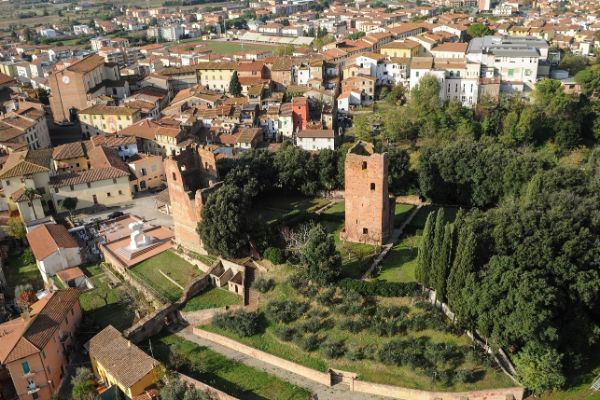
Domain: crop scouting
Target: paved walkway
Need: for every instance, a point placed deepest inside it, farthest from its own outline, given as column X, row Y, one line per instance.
column 338, row 392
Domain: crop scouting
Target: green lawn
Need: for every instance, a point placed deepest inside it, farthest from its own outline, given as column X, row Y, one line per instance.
column 212, row 298
column 337, row 210
column 355, row 256
column 401, row 213
column 172, row 265
column 227, row 48
column 399, row 264
column 104, row 305
column 278, row 207
column 418, row 222
column 368, row 370
column 19, row 272
column 232, row 377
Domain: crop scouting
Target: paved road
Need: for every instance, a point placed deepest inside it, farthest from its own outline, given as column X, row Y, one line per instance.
column 143, row 206
column 338, row 392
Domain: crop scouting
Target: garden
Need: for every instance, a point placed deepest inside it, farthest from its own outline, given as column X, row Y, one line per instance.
column 212, row 298
column 22, row 270
column 108, row 303
column 229, row 376
column 388, row 340
column 166, row 274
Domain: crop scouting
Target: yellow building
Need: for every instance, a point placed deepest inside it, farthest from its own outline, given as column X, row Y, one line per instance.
column 116, row 361
column 101, row 119
column 401, row 48
column 215, row 75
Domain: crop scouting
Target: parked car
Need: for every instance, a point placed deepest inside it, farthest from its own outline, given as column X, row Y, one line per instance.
column 114, row 214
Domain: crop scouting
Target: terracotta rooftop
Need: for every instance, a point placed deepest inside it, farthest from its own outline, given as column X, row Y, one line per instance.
column 48, row 239
column 27, row 162
column 23, row 338
column 126, row 362
column 317, row 133
column 87, row 64
column 92, row 175
column 100, row 109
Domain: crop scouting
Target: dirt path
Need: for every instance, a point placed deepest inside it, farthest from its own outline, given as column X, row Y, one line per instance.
column 338, row 392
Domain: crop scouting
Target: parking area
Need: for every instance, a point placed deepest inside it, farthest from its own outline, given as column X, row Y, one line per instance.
column 144, row 206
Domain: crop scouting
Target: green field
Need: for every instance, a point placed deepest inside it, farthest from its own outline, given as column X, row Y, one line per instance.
column 212, row 298
column 418, row 222
column 169, row 263
column 367, row 369
column 104, row 305
column 232, row 377
column 401, row 213
column 277, row 208
column 19, row 272
column 399, row 264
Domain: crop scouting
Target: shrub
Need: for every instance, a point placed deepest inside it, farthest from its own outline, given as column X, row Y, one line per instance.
column 296, row 281
column 244, row 323
column 285, row 310
column 285, row 333
column 370, row 351
column 318, row 313
column 27, row 257
column 353, row 325
column 314, row 324
column 381, row 288
column 274, row 255
column 264, row 285
column 309, row 342
column 355, row 353
column 327, row 297
column 334, row 348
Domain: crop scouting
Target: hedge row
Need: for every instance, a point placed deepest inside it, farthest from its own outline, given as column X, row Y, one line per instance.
column 381, row 288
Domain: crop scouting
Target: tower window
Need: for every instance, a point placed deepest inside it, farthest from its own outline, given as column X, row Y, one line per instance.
column 364, row 165
column 372, row 186
column 365, row 231
column 174, row 176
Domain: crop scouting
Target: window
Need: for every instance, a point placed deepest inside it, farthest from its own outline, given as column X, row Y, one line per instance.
column 55, row 190
column 114, row 180
column 372, row 186
column 25, row 366
column 143, row 170
column 174, row 176
column 7, row 183
column 108, row 194
column 35, row 396
column 71, row 187
column 120, row 192
column 365, row 231
column 364, row 165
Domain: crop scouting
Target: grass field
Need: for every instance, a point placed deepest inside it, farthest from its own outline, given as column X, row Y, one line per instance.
column 368, row 370
column 104, row 305
column 20, row 272
column 418, row 222
column 230, row 376
column 227, row 48
column 275, row 208
column 212, row 298
column 173, row 266
column 401, row 213
column 399, row 264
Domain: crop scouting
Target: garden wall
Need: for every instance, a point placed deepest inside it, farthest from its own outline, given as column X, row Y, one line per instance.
column 320, row 377
column 515, row 393
column 154, row 323
column 215, row 394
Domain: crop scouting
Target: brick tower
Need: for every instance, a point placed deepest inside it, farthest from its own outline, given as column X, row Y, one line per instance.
column 191, row 178
column 367, row 201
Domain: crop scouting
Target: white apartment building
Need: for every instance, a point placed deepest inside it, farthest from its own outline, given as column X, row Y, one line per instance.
column 316, row 139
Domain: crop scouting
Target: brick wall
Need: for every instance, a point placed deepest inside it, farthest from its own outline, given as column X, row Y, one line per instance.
column 367, row 203
column 515, row 393
column 214, row 394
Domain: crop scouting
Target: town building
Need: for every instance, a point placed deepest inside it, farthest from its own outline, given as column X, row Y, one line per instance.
column 76, row 86
column 102, row 119
column 118, row 362
column 37, row 347
column 54, row 249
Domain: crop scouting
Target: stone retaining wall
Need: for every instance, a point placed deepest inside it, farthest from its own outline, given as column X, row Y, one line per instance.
column 215, row 394
column 317, row 376
column 513, row 393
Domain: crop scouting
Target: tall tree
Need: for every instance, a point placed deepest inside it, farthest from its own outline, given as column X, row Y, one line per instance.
column 320, row 258
column 460, row 272
column 444, row 262
column 223, row 228
column 425, row 251
column 437, row 265
column 235, row 87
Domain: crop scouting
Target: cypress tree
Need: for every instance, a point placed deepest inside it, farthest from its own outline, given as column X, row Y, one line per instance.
column 425, row 251
column 235, row 88
column 444, row 261
column 461, row 272
column 437, row 262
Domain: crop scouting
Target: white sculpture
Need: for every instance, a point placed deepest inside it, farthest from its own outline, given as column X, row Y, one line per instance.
column 137, row 232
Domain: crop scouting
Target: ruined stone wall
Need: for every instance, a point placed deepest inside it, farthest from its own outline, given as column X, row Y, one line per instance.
column 367, row 204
